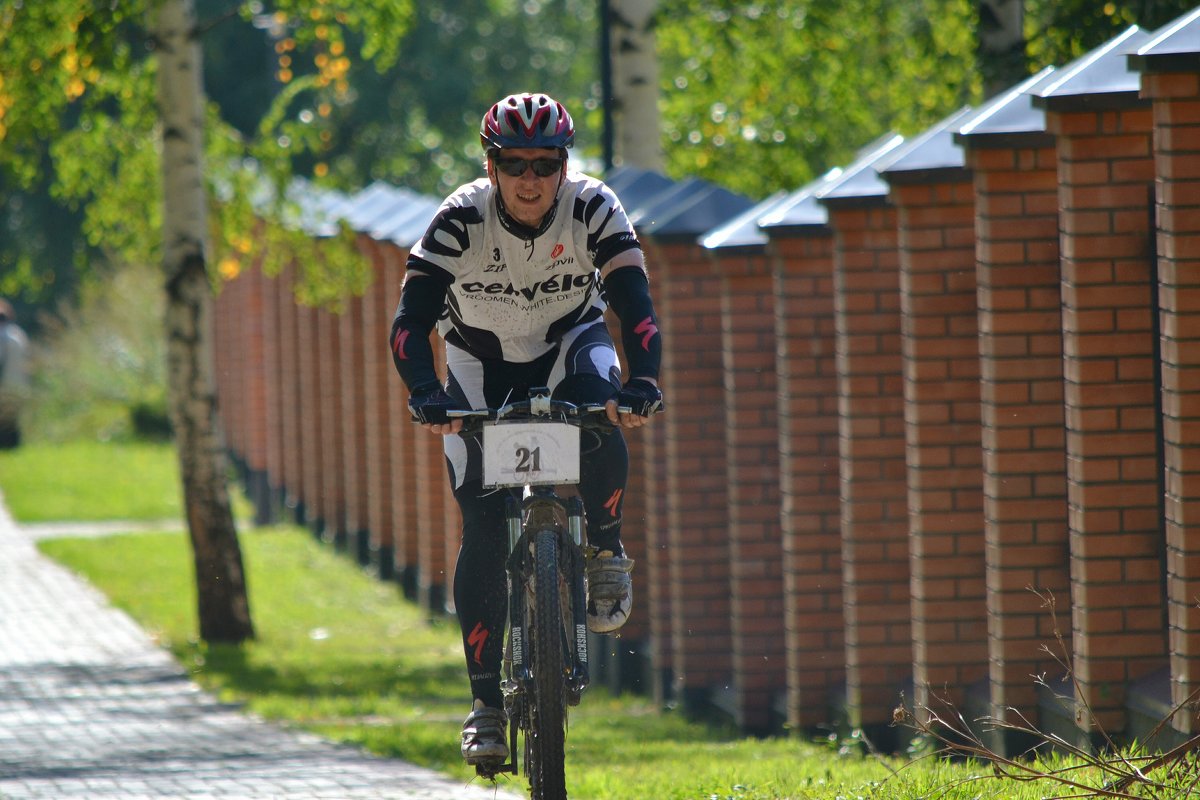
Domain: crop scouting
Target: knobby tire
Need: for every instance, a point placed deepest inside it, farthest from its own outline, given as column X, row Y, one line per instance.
column 549, row 668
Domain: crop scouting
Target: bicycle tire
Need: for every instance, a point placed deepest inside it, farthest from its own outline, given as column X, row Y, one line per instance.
column 548, row 778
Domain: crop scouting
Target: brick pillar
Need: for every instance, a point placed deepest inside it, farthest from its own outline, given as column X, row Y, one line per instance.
column 655, row 584
column 402, row 443
column 617, row 657
column 378, row 372
column 1021, row 393
column 291, row 395
column 227, row 322
column 875, row 549
column 333, row 484
column 273, row 389
column 810, row 513
column 1106, row 174
column 309, row 420
column 936, row 225
column 429, row 484
column 352, row 381
column 687, row 297
column 220, row 310
column 752, row 488
column 254, row 393
column 1176, row 99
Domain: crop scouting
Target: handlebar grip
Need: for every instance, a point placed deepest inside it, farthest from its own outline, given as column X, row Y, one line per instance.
column 464, row 414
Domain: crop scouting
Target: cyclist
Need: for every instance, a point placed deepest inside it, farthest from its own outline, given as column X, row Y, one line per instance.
column 516, row 270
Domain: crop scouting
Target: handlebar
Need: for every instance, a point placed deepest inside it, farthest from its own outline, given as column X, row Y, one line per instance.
column 538, row 406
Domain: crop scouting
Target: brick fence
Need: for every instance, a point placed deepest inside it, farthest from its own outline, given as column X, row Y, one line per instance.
column 926, row 413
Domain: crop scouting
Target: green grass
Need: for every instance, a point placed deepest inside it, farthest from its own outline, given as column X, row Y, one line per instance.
column 87, row 480
column 93, row 481
column 342, row 654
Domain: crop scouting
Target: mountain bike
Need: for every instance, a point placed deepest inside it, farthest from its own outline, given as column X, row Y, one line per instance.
column 534, row 445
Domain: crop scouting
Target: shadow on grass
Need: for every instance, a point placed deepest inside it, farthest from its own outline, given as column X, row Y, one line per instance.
column 236, row 669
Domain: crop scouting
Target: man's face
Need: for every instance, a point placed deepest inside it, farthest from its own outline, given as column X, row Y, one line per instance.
column 528, row 197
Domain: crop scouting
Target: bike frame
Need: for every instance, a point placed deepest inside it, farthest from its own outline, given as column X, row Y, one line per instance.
column 540, row 510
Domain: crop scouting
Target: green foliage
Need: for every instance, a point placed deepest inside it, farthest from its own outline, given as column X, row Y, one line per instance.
column 756, row 97
column 76, row 480
column 86, row 81
column 767, row 95
column 416, row 124
column 96, row 364
column 1059, row 31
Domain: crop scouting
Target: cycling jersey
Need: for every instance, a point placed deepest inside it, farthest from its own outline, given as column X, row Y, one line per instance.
column 513, row 291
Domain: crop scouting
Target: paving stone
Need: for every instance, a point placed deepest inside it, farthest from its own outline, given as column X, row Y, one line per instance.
column 91, row 708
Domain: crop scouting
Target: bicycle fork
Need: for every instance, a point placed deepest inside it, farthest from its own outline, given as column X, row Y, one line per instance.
column 577, row 681
column 575, row 647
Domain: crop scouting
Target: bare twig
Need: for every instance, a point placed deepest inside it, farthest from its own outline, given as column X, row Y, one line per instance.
column 1174, row 774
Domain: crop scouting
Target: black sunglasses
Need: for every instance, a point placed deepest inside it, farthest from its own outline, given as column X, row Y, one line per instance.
column 515, row 167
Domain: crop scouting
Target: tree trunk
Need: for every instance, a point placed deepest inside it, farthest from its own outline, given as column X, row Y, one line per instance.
column 635, row 84
column 1001, row 45
column 224, row 611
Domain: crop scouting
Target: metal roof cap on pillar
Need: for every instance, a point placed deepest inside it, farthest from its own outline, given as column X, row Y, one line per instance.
column 378, row 201
column 407, row 228
column 860, row 183
column 1175, row 47
column 314, row 210
column 800, row 209
column 1010, row 118
column 934, row 152
column 743, row 231
column 633, row 186
column 1098, row 80
column 687, row 210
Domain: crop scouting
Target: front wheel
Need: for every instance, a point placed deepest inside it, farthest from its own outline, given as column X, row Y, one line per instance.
column 547, row 776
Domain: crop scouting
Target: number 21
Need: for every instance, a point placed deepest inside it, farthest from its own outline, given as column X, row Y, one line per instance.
column 529, row 460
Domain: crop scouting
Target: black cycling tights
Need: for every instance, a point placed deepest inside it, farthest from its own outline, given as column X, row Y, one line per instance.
column 480, row 587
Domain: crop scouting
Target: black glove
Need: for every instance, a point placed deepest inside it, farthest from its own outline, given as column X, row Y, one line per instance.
column 641, row 396
column 429, row 405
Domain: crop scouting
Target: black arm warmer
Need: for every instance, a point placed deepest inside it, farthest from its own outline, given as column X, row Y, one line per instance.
column 421, row 303
column 628, row 294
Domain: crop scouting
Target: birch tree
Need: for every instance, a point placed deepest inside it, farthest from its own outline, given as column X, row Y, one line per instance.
column 634, row 58
column 129, row 136
column 1001, row 48
column 224, row 610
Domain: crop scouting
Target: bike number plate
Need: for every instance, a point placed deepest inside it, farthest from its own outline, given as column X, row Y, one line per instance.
column 522, row 453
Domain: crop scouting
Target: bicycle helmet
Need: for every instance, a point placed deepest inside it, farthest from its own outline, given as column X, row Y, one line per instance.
column 527, row 120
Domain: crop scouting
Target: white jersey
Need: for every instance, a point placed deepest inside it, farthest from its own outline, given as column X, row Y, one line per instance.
column 513, row 292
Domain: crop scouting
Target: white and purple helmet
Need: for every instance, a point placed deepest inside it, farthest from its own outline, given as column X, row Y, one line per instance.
column 527, row 120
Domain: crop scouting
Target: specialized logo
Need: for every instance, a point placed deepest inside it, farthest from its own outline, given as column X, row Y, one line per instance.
column 557, row 251
column 648, row 329
column 477, row 639
column 614, row 502
column 398, row 345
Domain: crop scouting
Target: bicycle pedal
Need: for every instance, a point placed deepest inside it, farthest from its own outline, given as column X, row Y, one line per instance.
column 491, row 769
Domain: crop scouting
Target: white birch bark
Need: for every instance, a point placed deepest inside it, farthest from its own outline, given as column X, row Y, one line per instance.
column 220, row 582
column 638, row 139
column 1001, row 44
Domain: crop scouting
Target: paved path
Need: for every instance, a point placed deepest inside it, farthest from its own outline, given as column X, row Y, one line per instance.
column 91, row 708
